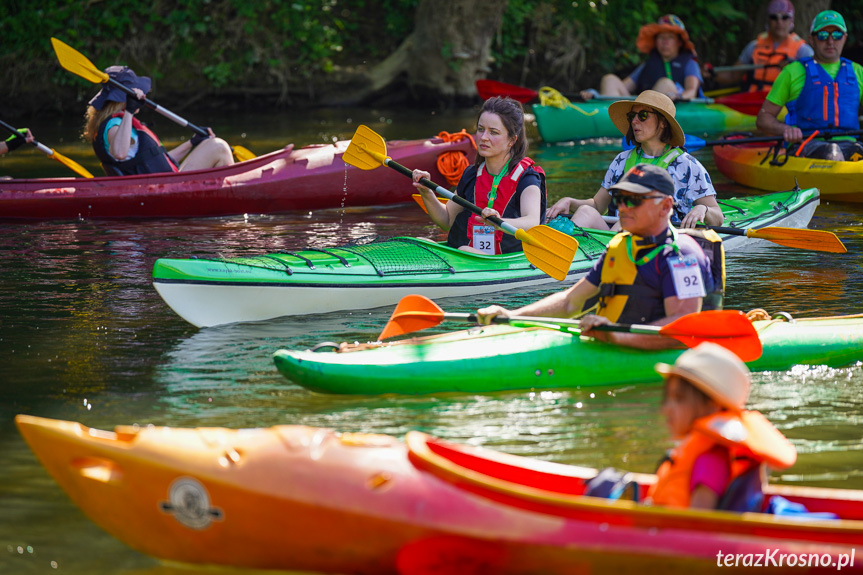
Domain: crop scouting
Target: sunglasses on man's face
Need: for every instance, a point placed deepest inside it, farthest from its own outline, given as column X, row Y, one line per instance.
column 782, row 17
column 642, row 115
column 835, row 34
column 631, row 201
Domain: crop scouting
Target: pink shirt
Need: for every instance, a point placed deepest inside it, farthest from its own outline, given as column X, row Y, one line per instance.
column 711, row 470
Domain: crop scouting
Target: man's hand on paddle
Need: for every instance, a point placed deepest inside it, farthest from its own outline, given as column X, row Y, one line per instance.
column 486, row 314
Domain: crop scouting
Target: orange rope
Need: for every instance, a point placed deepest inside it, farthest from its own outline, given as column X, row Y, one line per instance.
column 452, row 164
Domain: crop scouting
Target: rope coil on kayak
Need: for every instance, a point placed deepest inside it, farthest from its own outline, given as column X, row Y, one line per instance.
column 548, row 96
column 451, row 165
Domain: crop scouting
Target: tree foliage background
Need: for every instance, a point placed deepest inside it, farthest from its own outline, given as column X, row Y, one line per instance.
column 297, row 52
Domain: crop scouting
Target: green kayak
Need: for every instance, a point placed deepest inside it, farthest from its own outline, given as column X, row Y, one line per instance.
column 207, row 292
column 583, row 120
column 500, row 358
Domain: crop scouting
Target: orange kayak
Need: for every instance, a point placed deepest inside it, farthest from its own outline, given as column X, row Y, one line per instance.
column 303, row 498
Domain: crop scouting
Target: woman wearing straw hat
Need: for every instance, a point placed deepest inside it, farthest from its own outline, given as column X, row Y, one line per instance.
column 719, row 440
column 649, row 122
column 670, row 68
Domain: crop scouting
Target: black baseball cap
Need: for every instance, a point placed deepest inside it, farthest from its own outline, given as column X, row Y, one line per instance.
column 646, row 178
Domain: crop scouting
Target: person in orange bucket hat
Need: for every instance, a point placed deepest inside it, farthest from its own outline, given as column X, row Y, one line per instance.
column 671, row 67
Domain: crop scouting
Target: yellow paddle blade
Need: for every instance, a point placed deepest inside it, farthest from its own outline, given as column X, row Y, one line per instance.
column 367, row 149
column 77, row 63
column 71, row 164
column 243, row 154
column 550, row 250
column 801, row 238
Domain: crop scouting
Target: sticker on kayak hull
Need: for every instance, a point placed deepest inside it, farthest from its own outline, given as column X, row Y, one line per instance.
column 189, row 503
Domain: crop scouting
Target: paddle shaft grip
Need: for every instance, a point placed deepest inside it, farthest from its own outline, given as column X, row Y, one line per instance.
column 159, row 109
column 41, row 147
column 825, row 135
column 557, row 321
column 441, row 191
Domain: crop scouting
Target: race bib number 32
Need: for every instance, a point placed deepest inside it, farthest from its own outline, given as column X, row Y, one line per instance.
column 686, row 273
column 483, row 239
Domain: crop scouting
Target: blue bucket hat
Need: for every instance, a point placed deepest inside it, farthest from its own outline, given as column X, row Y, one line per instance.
column 125, row 76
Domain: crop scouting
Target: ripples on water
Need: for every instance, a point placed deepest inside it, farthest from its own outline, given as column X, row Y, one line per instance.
column 83, row 336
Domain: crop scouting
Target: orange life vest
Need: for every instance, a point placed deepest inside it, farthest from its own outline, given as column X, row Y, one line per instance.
column 750, row 440
column 765, row 53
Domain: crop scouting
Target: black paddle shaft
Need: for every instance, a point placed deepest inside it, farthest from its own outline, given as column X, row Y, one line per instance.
column 759, row 139
column 167, row 113
column 444, row 192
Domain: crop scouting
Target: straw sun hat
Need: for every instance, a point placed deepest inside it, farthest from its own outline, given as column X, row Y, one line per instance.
column 714, row 370
column 657, row 101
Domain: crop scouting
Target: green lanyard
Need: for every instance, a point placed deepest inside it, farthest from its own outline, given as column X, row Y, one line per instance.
column 493, row 193
column 652, row 253
column 668, row 70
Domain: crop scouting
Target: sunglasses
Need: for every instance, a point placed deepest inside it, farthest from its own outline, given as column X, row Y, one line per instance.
column 835, row 34
column 642, row 115
column 780, row 17
column 631, row 201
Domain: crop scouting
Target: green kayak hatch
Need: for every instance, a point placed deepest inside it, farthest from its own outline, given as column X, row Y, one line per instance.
column 500, row 358
column 579, row 121
column 207, row 292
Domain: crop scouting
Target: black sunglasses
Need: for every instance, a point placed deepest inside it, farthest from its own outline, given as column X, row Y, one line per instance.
column 642, row 115
column 631, row 201
column 824, row 34
column 780, row 17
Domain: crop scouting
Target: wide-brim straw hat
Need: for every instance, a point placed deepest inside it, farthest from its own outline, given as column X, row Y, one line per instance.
column 670, row 23
column 657, row 101
column 714, row 370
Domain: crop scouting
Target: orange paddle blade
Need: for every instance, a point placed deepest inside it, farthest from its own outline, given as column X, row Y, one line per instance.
column 800, row 238
column 730, row 329
column 413, row 313
column 419, row 199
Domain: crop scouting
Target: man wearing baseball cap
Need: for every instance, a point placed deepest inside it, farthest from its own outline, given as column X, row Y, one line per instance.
column 771, row 50
column 650, row 272
column 822, row 93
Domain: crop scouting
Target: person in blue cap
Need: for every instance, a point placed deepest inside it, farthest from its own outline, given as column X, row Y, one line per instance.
column 125, row 146
column 821, row 93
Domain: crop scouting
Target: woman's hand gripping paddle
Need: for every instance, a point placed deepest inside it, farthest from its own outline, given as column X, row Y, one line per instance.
column 546, row 248
column 69, row 163
column 730, row 329
column 78, row 64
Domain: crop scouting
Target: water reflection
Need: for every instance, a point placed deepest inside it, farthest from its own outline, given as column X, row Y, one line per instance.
column 84, row 336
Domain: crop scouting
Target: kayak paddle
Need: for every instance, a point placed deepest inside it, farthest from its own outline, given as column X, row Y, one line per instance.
column 51, row 153
column 730, row 329
column 78, row 64
column 695, row 143
column 548, row 249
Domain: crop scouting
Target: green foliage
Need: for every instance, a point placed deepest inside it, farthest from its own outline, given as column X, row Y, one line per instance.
column 572, row 43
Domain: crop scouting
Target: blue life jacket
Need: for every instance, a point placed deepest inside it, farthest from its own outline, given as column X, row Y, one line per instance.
column 654, row 69
column 826, row 103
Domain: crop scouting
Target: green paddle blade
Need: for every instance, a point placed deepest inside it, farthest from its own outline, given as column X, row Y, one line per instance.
column 550, row 250
column 77, row 63
column 367, row 150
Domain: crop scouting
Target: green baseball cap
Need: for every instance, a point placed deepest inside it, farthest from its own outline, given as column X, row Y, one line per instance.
column 828, row 18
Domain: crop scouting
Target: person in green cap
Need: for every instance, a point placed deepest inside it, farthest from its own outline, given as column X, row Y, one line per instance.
column 822, row 94
column 15, row 141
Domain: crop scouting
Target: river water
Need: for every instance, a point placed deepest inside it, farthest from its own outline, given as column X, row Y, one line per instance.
column 85, row 337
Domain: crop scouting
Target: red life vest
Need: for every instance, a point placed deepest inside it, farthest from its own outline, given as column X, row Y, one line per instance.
column 151, row 158
column 505, row 191
column 749, row 438
column 766, row 53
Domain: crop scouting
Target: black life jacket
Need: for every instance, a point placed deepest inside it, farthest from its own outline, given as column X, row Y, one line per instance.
column 152, row 158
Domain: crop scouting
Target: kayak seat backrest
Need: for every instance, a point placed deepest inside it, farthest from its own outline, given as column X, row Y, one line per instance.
column 746, row 492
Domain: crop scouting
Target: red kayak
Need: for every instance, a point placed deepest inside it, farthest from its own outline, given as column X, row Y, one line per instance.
column 304, row 498
column 311, row 178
